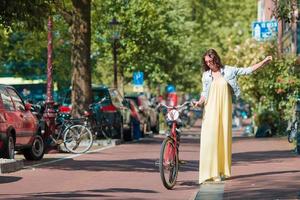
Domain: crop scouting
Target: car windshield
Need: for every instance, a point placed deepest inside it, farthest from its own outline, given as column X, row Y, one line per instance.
column 98, row 95
column 32, row 92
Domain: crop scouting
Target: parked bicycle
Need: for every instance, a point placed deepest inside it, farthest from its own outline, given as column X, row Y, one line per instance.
column 169, row 153
column 75, row 136
column 294, row 132
column 99, row 125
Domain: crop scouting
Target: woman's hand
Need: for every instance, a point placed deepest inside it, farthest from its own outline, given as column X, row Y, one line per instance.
column 200, row 102
column 267, row 60
column 262, row 63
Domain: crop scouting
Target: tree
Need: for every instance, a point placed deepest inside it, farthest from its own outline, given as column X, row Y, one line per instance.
column 78, row 17
column 155, row 39
column 286, row 12
column 24, row 13
column 33, row 14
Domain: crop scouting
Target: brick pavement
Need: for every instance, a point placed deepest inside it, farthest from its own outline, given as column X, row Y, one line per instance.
column 262, row 168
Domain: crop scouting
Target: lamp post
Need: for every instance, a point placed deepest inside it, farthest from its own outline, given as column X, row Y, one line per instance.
column 115, row 28
column 49, row 114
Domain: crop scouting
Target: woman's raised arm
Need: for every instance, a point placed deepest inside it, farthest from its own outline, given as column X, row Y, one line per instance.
column 262, row 63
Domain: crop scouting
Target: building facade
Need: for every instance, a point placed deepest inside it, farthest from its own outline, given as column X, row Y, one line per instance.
column 288, row 33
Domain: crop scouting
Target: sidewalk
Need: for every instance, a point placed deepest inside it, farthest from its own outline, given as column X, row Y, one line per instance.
column 54, row 155
column 262, row 168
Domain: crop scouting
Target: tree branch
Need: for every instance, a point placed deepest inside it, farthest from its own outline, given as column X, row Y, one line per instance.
column 67, row 15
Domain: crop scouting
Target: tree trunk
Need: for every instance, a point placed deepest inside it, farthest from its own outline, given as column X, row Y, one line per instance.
column 80, row 56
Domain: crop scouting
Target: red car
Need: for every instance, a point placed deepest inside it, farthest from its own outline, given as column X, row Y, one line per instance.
column 19, row 127
column 147, row 111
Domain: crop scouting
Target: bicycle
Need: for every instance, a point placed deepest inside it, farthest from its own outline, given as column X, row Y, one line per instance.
column 168, row 160
column 76, row 137
column 80, row 133
column 294, row 132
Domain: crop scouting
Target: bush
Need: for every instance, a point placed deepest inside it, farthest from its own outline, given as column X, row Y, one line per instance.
column 271, row 90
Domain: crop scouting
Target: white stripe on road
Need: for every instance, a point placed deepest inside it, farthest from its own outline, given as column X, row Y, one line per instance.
column 65, row 158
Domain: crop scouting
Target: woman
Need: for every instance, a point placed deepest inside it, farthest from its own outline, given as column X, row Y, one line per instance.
column 219, row 86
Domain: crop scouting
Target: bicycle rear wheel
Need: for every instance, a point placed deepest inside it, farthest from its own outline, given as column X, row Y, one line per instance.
column 78, row 138
column 168, row 163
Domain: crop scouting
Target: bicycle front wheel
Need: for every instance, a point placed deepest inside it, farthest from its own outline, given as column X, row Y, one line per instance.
column 78, row 139
column 168, row 163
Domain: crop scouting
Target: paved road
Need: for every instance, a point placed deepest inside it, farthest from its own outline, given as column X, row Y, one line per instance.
column 125, row 171
column 262, row 168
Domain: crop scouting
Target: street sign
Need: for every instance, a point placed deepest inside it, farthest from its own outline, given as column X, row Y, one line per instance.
column 138, row 78
column 264, row 30
column 138, row 81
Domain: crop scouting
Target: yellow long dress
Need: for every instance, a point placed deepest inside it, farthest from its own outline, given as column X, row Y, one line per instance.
column 216, row 132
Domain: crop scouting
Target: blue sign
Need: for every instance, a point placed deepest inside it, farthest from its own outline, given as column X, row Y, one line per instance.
column 264, row 30
column 170, row 88
column 138, row 78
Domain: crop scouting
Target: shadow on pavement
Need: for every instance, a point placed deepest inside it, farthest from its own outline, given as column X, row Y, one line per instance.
column 86, row 194
column 188, row 183
column 262, row 174
column 264, row 193
column 130, row 165
column 9, row 179
column 261, row 156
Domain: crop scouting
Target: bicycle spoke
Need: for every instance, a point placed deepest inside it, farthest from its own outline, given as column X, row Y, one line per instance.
column 78, row 139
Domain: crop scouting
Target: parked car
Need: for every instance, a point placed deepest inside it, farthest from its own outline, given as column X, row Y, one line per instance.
column 19, row 127
column 114, row 108
column 139, row 121
column 147, row 110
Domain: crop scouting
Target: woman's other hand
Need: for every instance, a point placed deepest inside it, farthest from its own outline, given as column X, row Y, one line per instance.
column 200, row 102
column 268, row 59
column 262, row 63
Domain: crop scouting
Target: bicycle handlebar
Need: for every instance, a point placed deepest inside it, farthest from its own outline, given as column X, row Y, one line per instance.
column 173, row 107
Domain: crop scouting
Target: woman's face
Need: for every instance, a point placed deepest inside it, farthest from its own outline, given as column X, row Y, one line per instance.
column 211, row 64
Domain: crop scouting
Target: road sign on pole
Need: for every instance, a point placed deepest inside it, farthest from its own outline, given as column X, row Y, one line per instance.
column 138, row 78
column 138, row 81
column 264, row 30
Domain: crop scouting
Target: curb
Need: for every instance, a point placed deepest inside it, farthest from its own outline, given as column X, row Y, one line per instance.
column 105, row 143
column 10, row 165
column 100, row 143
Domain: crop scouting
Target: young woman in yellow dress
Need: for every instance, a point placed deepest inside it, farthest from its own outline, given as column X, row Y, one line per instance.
column 219, row 86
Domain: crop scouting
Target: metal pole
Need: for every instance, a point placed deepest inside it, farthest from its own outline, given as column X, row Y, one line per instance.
column 115, row 64
column 49, row 64
column 49, row 114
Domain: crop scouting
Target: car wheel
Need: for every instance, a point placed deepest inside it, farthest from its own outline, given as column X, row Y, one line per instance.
column 37, row 149
column 9, row 148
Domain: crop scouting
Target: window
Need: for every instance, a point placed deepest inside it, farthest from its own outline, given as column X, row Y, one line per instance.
column 7, row 103
column 16, row 99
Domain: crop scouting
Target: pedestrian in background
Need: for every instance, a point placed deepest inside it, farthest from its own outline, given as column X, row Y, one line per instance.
column 219, row 86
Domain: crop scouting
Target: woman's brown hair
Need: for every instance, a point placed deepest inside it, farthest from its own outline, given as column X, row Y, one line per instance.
column 216, row 59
